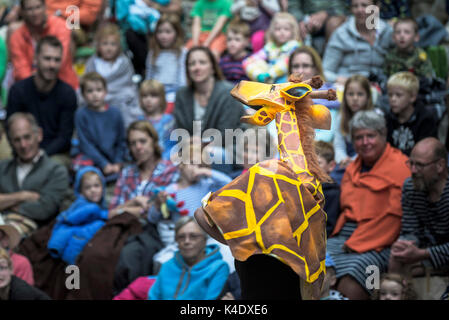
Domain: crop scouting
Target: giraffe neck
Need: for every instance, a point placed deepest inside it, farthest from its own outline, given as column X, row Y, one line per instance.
column 289, row 143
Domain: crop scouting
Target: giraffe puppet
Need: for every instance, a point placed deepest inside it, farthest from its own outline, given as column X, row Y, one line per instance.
column 276, row 207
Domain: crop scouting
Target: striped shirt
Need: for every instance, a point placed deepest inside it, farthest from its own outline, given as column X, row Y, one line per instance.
column 233, row 69
column 427, row 221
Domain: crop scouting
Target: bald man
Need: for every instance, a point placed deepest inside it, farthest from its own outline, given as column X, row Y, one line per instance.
column 424, row 237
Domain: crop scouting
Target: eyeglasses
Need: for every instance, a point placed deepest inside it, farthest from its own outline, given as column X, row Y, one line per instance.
column 191, row 236
column 419, row 165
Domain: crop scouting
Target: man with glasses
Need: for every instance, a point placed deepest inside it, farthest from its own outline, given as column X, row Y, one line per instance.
column 424, row 237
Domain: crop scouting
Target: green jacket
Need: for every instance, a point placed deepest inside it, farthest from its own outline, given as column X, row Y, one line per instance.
column 416, row 62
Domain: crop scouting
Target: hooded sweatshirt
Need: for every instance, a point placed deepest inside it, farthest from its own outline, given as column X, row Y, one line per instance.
column 77, row 225
column 202, row 281
column 348, row 53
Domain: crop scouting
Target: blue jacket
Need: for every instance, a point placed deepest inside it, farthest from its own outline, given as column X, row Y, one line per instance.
column 203, row 281
column 78, row 224
column 130, row 15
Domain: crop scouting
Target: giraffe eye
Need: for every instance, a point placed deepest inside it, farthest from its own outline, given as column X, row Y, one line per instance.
column 297, row 91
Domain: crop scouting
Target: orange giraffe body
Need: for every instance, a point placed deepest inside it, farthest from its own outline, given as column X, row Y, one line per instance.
column 275, row 207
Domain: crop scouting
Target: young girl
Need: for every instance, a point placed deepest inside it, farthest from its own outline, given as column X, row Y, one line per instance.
column 356, row 96
column 270, row 64
column 166, row 55
column 394, row 286
column 153, row 104
column 113, row 65
column 258, row 15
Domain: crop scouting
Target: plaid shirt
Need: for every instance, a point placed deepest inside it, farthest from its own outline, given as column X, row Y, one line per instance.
column 129, row 184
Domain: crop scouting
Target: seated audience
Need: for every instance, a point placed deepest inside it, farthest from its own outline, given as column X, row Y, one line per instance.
column 137, row 19
column 12, row 287
column 356, row 96
column 356, row 48
column 325, row 154
column 405, row 56
column 237, row 44
column 270, row 64
column 257, row 14
column 196, row 272
column 32, row 186
column 206, row 98
column 135, row 188
column 209, row 20
column 370, row 218
column 423, row 243
column 24, row 41
column 89, row 10
column 153, row 104
column 330, row 280
column 9, row 239
column 407, row 121
column 48, row 98
column 394, row 286
column 166, row 56
column 100, row 130
column 116, row 68
column 76, row 226
column 317, row 19
column 306, row 61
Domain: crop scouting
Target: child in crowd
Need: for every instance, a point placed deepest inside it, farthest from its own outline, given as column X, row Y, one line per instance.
column 258, row 14
column 394, row 286
column 330, row 280
column 356, row 96
column 195, row 181
column 100, row 130
column 153, row 104
column 209, row 20
column 116, row 68
column 78, row 224
column 237, row 43
column 270, row 64
column 166, row 56
column 405, row 56
column 9, row 240
column 325, row 154
column 407, row 123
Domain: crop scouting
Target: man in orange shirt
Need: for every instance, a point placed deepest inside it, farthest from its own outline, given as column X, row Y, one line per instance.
column 89, row 10
column 22, row 42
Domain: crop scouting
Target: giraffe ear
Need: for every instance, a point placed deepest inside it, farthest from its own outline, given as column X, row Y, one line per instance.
column 321, row 117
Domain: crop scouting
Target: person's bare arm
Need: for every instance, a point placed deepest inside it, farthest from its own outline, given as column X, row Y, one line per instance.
column 196, row 30
column 218, row 27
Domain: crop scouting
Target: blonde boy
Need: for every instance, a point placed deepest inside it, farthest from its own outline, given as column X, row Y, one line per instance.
column 407, row 123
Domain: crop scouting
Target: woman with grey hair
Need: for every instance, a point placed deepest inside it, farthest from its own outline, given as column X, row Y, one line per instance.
column 196, row 272
column 370, row 218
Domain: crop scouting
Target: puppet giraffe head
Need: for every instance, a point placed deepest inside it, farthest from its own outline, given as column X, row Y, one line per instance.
column 296, row 116
column 270, row 99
